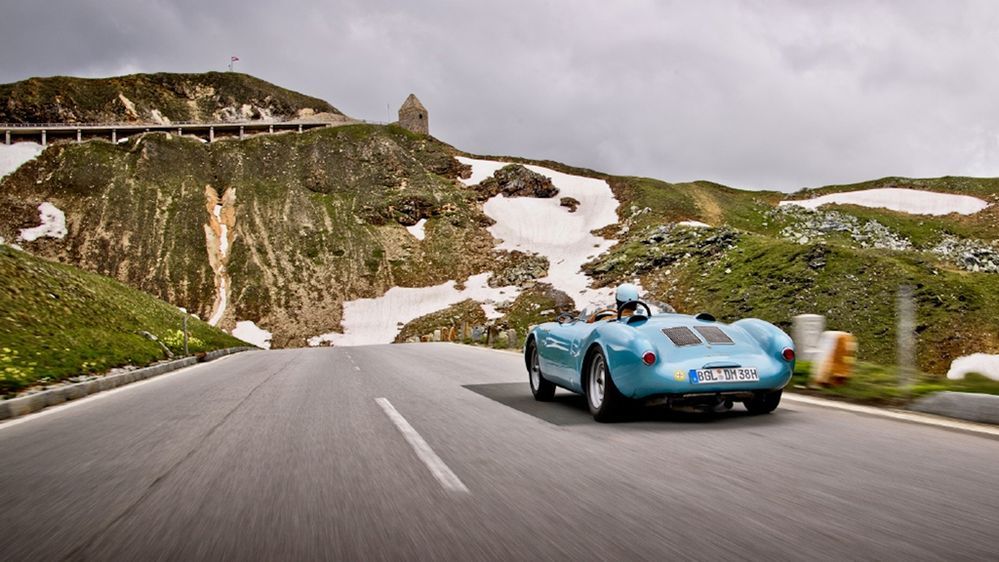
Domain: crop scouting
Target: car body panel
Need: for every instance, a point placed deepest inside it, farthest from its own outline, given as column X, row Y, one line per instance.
column 563, row 350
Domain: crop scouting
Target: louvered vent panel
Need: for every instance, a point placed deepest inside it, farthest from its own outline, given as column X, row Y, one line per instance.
column 681, row 336
column 713, row 334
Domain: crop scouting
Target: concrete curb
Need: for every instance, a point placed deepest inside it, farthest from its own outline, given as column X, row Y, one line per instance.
column 908, row 416
column 34, row 402
column 981, row 408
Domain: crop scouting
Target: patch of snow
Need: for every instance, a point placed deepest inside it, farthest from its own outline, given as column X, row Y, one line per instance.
column 223, row 301
column 417, row 229
column 223, row 231
column 122, row 140
column 540, row 226
column 12, row 156
column 378, row 320
column 53, row 224
column 912, row 201
column 543, row 226
column 693, row 224
column 249, row 332
column 981, row 363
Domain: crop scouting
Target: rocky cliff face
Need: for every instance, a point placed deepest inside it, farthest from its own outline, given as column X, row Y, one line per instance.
column 157, row 98
column 277, row 229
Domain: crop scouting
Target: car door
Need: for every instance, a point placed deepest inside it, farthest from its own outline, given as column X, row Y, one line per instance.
column 564, row 342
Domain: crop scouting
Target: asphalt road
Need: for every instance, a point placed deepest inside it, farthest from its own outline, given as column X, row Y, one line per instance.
column 288, row 455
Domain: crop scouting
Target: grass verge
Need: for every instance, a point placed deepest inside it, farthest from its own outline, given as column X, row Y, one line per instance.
column 58, row 322
column 878, row 385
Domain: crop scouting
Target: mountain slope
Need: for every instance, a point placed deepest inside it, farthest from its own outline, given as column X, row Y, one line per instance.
column 310, row 220
column 59, row 321
column 284, row 230
column 756, row 262
column 154, row 98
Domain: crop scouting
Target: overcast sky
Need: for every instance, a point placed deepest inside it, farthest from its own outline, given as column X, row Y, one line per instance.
column 757, row 94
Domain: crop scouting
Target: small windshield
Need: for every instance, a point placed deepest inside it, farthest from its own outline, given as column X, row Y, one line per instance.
column 659, row 307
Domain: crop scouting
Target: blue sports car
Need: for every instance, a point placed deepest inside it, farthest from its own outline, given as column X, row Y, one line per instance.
column 663, row 359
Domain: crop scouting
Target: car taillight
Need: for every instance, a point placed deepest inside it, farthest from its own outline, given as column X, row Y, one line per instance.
column 649, row 358
column 787, row 354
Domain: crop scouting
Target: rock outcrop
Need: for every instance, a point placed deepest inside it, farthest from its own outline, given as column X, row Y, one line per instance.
column 161, row 98
column 516, row 181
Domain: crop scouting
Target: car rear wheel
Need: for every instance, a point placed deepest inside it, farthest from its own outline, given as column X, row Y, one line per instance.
column 601, row 395
column 763, row 403
column 542, row 389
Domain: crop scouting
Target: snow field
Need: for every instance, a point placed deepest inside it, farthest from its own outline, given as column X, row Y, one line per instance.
column 53, row 224
column 540, row 226
column 981, row 363
column 378, row 320
column 13, row 155
column 912, row 201
column 544, row 227
column 249, row 332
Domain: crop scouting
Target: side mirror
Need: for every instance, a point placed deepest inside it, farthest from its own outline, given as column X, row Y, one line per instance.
column 564, row 317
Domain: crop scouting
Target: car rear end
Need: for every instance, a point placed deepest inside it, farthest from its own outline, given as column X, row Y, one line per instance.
column 689, row 360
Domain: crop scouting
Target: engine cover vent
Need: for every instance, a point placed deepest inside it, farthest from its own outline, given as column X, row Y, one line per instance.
column 681, row 336
column 713, row 334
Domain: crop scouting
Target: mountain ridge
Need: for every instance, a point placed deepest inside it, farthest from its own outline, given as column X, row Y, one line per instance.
column 320, row 221
column 159, row 98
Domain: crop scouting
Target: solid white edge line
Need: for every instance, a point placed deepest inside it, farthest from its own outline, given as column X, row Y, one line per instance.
column 433, row 462
column 913, row 417
column 103, row 394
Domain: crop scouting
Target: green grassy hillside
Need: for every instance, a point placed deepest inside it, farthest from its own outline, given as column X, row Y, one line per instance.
column 211, row 96
column 57, row 321
column 319, row 219
column 755, row 263
column 753, row 267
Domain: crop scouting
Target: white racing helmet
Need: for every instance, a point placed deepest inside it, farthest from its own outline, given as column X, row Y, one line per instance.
column 625, row 292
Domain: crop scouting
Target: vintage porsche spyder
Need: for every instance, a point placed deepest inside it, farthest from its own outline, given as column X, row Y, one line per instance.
column 660, row 359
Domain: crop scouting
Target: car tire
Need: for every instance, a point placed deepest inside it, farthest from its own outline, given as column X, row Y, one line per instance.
column 602, row 397
column 542, row 389
column 763, row 403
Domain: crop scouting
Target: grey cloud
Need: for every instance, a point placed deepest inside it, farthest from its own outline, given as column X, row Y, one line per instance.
column 775, row 94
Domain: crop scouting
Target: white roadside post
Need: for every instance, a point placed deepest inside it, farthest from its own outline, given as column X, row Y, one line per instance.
column 806, row 332
column 184, row 310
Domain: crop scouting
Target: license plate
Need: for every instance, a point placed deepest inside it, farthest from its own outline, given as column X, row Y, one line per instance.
column 734, row 374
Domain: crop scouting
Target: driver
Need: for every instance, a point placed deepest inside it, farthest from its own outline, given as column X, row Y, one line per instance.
column 625, row 292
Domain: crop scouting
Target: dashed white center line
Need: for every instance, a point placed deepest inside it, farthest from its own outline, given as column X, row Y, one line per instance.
column 437, row 467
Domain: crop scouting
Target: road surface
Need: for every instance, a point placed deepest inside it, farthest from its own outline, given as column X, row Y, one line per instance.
column 437, row 451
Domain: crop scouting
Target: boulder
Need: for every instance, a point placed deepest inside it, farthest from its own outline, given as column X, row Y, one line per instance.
column 569, row 202
column 515, row 180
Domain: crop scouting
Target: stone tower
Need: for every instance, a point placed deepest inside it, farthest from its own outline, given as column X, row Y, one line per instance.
column 413, row 116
